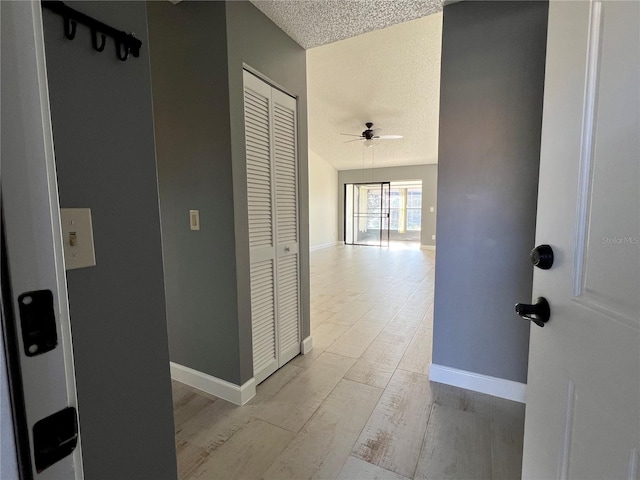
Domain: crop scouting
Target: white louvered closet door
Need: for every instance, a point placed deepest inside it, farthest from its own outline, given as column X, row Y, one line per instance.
column 261, row 201
column 270, row 131
column 288, row 278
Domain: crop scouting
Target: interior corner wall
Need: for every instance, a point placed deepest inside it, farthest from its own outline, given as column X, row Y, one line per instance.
column 255, row 41
column 191, row 110
column 427, row 173
column 493, row 61
column 103, row 136
column 323, row 202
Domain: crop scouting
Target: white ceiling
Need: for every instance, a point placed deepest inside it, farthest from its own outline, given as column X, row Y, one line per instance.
column 390, row 77
column 312, row 23
column 374, row 61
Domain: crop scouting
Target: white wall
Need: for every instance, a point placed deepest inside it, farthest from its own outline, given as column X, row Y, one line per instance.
column 323, row 202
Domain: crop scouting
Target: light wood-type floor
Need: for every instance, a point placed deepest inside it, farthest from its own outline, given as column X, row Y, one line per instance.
column 360, row 405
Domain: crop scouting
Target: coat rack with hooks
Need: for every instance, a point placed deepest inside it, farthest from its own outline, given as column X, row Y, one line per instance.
column 125, row 43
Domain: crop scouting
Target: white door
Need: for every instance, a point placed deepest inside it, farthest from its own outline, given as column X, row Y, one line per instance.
column 34, row 250
column 262, row 225
column 583, row 394
column 272, row 194
column 288, row 277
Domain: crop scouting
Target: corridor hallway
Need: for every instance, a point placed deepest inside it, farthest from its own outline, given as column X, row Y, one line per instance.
column 359, row 405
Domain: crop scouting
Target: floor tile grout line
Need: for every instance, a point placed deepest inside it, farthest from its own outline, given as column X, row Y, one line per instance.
column 368, row 385
column 424, row 438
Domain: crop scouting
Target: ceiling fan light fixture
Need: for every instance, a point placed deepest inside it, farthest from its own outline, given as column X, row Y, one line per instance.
column 370, row 136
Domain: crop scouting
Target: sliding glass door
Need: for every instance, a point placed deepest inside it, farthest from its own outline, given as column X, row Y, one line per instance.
column 366, row 214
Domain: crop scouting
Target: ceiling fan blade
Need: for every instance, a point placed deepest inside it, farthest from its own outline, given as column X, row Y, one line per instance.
column 350, row 135
column 355, row 140
column 389, row 137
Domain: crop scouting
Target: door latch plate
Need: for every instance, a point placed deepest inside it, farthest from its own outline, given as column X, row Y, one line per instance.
column 55, row 437
column 38, row 321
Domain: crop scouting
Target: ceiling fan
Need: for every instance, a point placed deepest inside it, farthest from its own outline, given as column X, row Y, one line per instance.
column 369, row 135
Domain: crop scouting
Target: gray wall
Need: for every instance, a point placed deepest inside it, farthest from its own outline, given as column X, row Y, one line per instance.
column 103, row 137
column 255, row 41
column 427, row 173
column 191, row 110
column 493, row 58
column 198, row 50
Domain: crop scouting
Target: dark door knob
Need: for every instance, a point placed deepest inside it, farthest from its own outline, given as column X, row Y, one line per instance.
column 542, row 257
column 538, row 313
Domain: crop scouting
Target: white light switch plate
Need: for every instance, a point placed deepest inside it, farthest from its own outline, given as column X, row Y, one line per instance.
column 77, row 238
column 194, row 219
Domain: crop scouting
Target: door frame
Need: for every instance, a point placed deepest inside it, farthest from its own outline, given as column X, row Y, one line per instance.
column 274, row 252
column 31, row 217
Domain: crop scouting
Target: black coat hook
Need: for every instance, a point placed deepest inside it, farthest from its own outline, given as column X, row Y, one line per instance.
column 126, row 44
column 69, row 28
column 122, row 55
column 94, row 40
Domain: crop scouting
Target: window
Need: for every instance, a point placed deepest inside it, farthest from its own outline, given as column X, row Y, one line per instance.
column 414, row 209
column 406, row 208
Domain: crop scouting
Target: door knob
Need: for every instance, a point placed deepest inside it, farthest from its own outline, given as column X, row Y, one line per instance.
column 542, row 256
column 538, row 313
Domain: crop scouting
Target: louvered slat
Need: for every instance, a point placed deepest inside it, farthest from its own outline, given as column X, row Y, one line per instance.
column 262, row 314
column 285, row 170
column 288, row 302
column 259, row 185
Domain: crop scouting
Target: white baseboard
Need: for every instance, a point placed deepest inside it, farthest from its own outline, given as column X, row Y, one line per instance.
column 427, row 247
column 307, row 345
column 214, row 386
column 498, row 387
column 323, row 245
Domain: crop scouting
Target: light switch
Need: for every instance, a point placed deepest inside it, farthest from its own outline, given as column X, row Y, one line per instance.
column 77, row 238
column 194, row 219
column 432, row 209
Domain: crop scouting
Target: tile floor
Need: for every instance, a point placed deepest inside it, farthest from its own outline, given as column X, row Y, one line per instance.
column 360, row 405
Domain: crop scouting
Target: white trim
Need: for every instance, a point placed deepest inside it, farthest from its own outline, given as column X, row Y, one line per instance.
column 267, row 80
column 322, row 246
column 587, row 147
column 633, row 464
column 498, row 387
column 32, row 220
column 214, row 386
column 427, row 247
column 307, row 345
column 569, row 416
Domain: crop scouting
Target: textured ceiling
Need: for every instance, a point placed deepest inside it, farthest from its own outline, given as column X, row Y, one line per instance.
column 390, row 77
column 312, row 23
